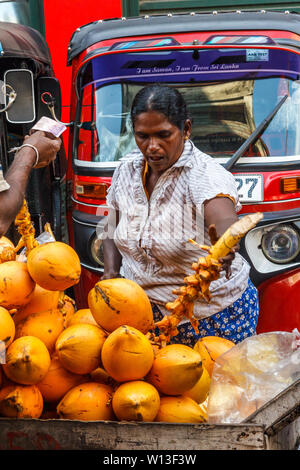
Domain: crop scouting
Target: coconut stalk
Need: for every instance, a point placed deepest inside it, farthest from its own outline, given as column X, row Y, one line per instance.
column 207, row 269
column 26, row 229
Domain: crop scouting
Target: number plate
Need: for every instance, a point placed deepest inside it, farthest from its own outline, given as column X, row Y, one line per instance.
column 250, row 187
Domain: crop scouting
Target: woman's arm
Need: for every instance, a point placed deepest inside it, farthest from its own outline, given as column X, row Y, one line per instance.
column 219, row 214
column 112, row 256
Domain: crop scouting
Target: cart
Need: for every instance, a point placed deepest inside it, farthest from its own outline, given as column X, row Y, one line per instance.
column 275, row 426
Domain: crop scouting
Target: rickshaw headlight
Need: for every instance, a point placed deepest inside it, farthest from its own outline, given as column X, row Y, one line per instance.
column 97, row 251
column 281, row 244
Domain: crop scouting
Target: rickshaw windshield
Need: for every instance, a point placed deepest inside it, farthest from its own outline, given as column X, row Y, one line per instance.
column 228, row 92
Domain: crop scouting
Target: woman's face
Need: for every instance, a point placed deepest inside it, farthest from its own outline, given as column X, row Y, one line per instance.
column 160, row 141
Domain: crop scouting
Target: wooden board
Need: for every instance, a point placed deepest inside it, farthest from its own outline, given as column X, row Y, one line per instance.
column 70, row 435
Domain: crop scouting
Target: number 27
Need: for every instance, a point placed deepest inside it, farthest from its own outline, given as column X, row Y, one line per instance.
column 252, row 181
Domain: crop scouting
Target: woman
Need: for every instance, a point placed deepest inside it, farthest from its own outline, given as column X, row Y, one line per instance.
column 164, row 193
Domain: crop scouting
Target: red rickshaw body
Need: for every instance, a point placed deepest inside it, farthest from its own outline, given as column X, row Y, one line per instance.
column 254, row 67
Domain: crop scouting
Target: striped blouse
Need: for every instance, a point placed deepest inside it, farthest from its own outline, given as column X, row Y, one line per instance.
column 152, row 235
column 3, row 184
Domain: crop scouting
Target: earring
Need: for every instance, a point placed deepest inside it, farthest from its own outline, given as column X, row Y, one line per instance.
column 186, row 138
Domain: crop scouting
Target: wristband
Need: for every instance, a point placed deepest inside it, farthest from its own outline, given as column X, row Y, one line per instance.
column 15, row 149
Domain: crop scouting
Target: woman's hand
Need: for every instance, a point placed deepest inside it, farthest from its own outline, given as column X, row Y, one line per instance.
column 219, row 214
column 226, row 260
column 112, row 256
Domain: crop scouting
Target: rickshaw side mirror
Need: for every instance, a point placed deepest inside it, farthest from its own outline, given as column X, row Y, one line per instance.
column 48, row 92
column 22, row 110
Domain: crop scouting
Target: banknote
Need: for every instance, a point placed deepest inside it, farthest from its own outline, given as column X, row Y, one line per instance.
column 49, row 125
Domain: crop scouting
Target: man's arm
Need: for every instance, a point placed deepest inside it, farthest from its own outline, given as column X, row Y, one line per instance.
column 18, row 174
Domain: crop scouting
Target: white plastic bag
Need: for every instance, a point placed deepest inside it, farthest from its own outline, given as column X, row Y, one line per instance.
column 252, row 373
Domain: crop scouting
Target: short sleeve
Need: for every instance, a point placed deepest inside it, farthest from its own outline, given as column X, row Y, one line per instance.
column 211, row 180
column 111, row 196
column 3, row 183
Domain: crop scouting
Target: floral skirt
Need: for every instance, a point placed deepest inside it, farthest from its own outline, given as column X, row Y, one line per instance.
column 236, row 322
